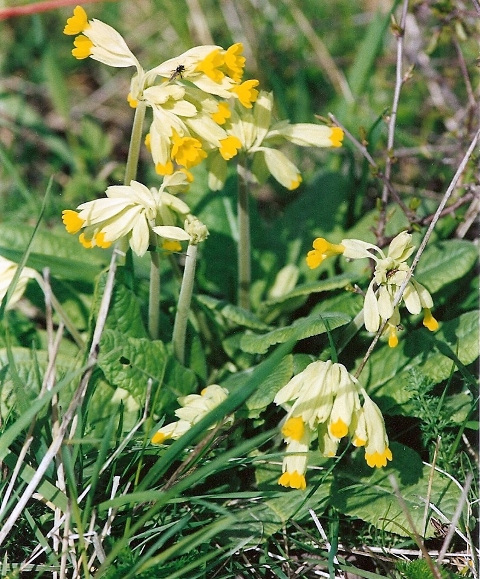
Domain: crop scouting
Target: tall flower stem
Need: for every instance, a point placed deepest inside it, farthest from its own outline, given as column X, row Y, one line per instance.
column 135, row 143
column 183, row 307
column 243, row 216
column 154, row 296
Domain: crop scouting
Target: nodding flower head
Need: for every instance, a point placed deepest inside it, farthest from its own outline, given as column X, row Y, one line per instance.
column 390, row 272
column 192, row 409
column 323, row 401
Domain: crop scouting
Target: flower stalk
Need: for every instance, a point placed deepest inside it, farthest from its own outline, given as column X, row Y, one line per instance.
column 154, row 295
column 198, row 232
column 183, row 306
column 243, row 250
column 135, row 143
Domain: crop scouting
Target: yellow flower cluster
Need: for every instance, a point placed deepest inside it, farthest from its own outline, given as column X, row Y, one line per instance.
column 390, row 273
column 192, row 409
column 183, row 92
column 193, row 118
column 134, row 213
column 323, row 402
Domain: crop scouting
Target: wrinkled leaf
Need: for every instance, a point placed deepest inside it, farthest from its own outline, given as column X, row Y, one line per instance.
column 298, row 330
column 304, row 290
column 232, row 313
column 124, row 314
column 446, row 262
column 367, row 494
column 129, row 362
column 430, row 353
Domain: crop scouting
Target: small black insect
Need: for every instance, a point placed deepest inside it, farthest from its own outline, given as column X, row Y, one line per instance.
column 177, row 72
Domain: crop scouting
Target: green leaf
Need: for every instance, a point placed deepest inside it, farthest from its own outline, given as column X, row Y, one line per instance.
column 124, row 314
column 430, row 353
column 300, row 329
column 55, row 249
column 129, row 362
column 324, row 285
column 45, row 489
column 367, row 52
column 22, row 375
column 234, row 314
column 446, row 262
column 265, row 394
column 360, row 72
column 367, row 494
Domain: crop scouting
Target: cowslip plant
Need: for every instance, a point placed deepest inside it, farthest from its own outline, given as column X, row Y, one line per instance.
column 175, row 448
column 323, row 400
column 389, row 275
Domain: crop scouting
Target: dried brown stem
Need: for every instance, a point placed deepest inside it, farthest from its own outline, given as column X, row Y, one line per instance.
column 37, row 7
column 421, row 249
column 382, row 219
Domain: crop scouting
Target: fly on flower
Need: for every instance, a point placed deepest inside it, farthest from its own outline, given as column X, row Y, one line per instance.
column 177, row 72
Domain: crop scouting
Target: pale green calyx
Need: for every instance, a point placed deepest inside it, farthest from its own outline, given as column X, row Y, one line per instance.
column 196, row 229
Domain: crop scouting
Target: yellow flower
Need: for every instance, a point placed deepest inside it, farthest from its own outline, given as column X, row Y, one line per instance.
column 390, row 273
column 321, row 250
column 235, row 62
column 429, row 321
column 210, row 68
column 211, row 65
column 222, row 114
column 8, row 269
column 294, row 428
column 99, row 41
column 250, row 122
column 368, row 430
column 131, row 211
column 171, row 246
column 76, row 23
column 131, row 101
column 83, row 47
column 73, row 223
column 192, row 409
column 297, row 436
column 294, row 480
column 246, row 92
column 187, row 151
column 323, row 401
column 229, row 147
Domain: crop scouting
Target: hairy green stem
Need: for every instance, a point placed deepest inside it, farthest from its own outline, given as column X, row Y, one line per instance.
column 135, row 143
column 243, row 216
column 154, row 297
column 183, row 307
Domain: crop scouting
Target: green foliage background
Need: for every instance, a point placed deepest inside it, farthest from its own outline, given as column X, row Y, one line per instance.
column 65, row 128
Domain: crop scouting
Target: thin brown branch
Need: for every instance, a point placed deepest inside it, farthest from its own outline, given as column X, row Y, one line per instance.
column 433, row 568
column 400, row 31
column 423, row 244
column 386, row 182
column 451, row 208
column 38, row 7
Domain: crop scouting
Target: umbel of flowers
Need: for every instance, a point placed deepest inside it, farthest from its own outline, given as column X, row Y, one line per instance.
column 255, row 133
column 186, row 116
column 389, row 274
column 8, row 269
column 131, row 212
column 192, row 409
column 323, row 402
